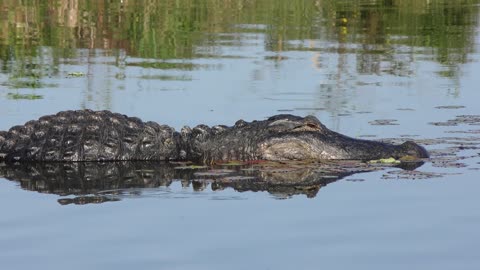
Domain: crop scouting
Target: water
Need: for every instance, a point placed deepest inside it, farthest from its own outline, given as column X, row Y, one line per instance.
column 349, row 63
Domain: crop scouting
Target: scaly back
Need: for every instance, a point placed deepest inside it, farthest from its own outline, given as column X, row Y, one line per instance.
column 88, row 136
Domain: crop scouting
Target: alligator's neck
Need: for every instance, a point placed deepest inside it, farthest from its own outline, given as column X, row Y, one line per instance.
column 220, row 143
column 192, row 143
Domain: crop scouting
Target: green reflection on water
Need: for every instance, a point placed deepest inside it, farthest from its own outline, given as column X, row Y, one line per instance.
column 23, row 96
column 177, row 29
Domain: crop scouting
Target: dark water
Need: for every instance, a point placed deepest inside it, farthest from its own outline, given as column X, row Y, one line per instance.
column 392, row 70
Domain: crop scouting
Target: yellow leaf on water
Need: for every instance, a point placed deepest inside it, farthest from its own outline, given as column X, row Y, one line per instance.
column 390, row 160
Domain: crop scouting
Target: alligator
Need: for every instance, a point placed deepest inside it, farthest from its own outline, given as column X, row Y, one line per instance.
column 86, row 135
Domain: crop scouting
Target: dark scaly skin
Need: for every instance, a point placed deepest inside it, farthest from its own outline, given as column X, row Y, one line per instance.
column 88, row 135
column 105, row 136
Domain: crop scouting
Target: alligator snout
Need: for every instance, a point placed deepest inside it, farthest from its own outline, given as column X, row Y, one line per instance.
column 412, row 149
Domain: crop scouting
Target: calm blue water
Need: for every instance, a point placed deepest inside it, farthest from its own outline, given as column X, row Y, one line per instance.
column 372, row 224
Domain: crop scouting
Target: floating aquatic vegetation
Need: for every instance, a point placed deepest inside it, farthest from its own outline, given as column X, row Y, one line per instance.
column 453, row 152
column 445, row 163
column 412, row 175
column 450, row 107
column 474, row 131
column 355, row 180
column 473, row 120
column 440, row 124
column 448, row 158
column 363, row 112
column 384, row 122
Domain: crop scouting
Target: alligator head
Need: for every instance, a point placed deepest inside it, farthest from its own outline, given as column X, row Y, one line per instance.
column 296, row 138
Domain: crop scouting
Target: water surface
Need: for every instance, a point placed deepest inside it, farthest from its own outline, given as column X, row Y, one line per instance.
column 392, row 70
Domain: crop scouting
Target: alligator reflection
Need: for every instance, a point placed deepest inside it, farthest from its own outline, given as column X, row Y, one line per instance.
column 102, row 182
